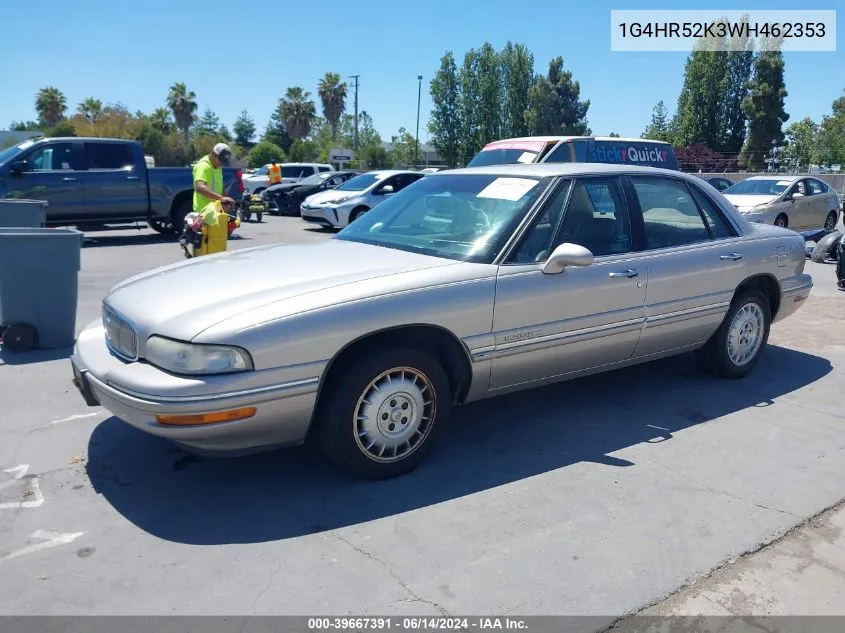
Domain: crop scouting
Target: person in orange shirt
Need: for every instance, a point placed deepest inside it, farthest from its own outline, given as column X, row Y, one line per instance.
column 275, row 173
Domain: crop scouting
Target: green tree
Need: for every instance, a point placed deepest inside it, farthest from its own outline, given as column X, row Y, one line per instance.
column 658, row 129
column 224, row 133
column 470, row 104
column 764, row 107
column 555, row 107
column 402, row 147
column 50, row 104
column 62, row 128
column 801, row 143
column 162, row 120
column 90, row 109
column 830, row 143
column 297, row 111
column 244, row 128
column 489, row 113
column 517, row 77
column 276, row 130
column 733, row 120
column 183, row 103
column 614, row 135
column 26, row 126
column 333, row 97
column 444, row 123
column 263, row 153
column 303, row 151
column 208, row 124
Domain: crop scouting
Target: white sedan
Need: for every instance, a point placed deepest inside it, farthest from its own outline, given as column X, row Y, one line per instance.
column 789, row 201
column 343, row 205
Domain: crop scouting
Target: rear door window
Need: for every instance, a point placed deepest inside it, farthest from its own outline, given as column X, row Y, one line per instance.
column 108, row 156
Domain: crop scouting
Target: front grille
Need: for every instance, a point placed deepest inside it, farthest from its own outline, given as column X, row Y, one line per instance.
column 120, row 336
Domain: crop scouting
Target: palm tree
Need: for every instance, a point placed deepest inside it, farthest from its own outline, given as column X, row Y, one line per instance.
column 183, row 104
column 50, row 104
column 91, row 108
column 297, row 112
column 333, row 95
column 161, row 120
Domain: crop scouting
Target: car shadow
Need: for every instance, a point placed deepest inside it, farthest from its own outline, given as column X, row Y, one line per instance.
column 34, row 356
column 289, row 493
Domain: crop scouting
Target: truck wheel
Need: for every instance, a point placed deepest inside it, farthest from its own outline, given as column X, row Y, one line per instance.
column 160, row 225
column 177, row 218
column 258, row 216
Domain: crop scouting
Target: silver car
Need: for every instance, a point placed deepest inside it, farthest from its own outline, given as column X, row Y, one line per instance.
column 802, row 204
column 468, row 284
column 348, row 202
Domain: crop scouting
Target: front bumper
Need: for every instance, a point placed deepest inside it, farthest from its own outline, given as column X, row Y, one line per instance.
column 283, row 410
column 324, row 216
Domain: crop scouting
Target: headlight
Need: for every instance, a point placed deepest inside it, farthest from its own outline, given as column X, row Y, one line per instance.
column 335, row 201
column 190, row 358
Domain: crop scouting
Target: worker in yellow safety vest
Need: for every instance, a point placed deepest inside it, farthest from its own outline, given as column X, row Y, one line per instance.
column 215, row 227
column 208, row 177
column 275, row 173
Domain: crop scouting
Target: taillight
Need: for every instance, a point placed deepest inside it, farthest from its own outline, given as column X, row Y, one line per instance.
column 239, row 174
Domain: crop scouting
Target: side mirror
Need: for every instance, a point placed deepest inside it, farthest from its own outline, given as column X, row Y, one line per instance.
column 386, row 189
column 796, row 195
column 20, row 166
column 567, row 255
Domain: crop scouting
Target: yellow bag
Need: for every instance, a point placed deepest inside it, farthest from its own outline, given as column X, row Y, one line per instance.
column 215, row 229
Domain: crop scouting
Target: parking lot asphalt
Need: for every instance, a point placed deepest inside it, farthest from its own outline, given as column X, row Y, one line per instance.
column 594, row 497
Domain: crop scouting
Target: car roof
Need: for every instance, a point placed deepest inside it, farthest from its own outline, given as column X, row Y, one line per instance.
column 384, row 173
column 776, row 177
column 548, row 170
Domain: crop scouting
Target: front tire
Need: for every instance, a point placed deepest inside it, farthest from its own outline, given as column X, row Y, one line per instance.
column 357, row 213
column 782, row 221
column 735, row 348
column 379, row 417
column 831, row 220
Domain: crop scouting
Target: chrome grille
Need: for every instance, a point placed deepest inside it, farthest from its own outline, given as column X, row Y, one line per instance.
column 121, row 337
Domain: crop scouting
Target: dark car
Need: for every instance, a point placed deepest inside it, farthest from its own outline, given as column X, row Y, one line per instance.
column 720, row 183
column 286, row 198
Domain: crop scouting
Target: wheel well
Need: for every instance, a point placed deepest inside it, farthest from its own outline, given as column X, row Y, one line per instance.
column 179, row 200
column 785, row 219
column 438, row 342
column 360, row 207
column 766, row 284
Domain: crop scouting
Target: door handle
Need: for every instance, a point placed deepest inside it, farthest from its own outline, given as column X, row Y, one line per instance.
column 132, row 178
column 68, row 179
column 627, row 273
column 732, row 257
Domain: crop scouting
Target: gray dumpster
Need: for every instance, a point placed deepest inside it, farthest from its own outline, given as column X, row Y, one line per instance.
column 39, row 271
column 23, row 213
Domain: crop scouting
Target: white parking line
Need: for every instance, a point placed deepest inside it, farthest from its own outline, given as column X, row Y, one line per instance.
column 50, row 539
column 78, row 416
column 18, row 473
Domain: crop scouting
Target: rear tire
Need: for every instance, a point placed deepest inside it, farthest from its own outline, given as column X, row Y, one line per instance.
column 831, row 220
column 378, row 417
column 735, row 348
column 160, row 225
column 782, row 221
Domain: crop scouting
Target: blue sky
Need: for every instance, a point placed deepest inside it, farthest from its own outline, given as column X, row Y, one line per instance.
column 244, row 55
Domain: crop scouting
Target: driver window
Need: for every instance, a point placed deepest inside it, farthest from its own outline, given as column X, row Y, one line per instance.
column 798, row 187
column 597, row 218
column 536, row 245
column 51, row 158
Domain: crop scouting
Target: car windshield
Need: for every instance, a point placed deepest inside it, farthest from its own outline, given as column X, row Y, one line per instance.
column 503, row 157
column 316, row 179
column 10, row 152
column 463, row 217
column 762, row 187
column 359, row 183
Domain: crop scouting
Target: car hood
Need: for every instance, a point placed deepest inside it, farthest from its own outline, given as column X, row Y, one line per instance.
column 332, row 194
column 747, row 200
column 182, row 300
column 285, row 186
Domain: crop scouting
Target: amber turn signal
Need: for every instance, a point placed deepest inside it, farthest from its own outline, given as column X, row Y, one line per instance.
column 206, row 418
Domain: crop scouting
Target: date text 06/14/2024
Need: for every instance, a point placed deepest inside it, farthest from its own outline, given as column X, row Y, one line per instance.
column 423, row 624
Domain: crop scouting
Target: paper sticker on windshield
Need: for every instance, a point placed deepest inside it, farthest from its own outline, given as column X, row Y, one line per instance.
column 507, row 188
column 526, row 157
column 784, row 183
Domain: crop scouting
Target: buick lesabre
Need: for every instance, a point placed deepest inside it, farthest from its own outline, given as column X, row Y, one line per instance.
column 467, row 284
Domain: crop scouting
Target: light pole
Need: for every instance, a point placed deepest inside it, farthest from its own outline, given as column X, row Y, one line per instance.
column 355, row 137
column 417, row 142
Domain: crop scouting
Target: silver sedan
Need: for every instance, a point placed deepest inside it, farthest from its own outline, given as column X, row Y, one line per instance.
column 467, row 284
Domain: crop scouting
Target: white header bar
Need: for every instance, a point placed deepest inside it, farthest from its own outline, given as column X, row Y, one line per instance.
column 681, row 30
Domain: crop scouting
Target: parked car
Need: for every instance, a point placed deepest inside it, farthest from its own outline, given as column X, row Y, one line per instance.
column 92, row 182
column 795, row 202
column 720, row 184
column 352, row 199
column 285, row 199
column 467, row 284
column 259, row 180
column 577, row 149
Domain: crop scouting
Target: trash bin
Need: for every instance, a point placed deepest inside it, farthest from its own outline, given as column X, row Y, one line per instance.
column 39, row 272
column 23, row 213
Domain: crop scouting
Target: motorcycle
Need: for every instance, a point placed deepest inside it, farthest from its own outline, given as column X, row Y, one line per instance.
column 826, row 250
column 191, row 238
